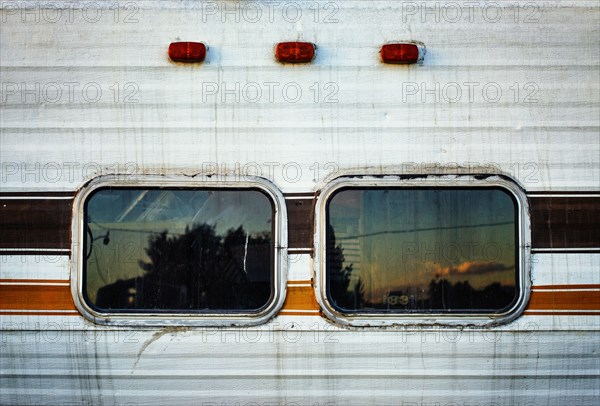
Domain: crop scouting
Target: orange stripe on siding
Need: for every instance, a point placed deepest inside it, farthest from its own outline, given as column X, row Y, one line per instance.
column 573, row 300
column 542, row 302
column 35, row 297
column 300, row 298
column 25, row 313
column 550, row 313
column 306, row 282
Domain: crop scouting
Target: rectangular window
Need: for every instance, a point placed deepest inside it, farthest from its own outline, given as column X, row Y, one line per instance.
column 166, row 250
column 397, row 251
column 151, row 252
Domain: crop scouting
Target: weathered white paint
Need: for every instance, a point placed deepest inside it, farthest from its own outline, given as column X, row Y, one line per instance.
column 174, row 124
column 34, row 267
column 299, row 267
column 565, row 269
column 303, row 366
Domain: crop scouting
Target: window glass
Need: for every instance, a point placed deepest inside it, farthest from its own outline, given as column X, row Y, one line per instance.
column 178, row 250
column 422, row 250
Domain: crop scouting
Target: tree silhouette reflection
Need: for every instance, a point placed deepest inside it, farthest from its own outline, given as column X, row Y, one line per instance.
column 197, row 271
column 441, row 295
column 339, row 277
column 444, row 295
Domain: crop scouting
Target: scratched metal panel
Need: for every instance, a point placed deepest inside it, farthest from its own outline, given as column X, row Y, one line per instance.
column 108, row 100
column 306, row 367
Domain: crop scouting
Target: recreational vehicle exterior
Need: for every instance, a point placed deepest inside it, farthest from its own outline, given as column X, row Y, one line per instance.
column 300, row 202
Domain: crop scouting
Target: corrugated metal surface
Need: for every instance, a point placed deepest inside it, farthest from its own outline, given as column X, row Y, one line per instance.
column 542, row 129
column 343, row 368
column 153, row 116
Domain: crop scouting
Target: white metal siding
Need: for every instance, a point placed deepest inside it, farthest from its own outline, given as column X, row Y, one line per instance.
column 173, row 126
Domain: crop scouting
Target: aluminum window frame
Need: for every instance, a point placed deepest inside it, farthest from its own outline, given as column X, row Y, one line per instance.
column 373, row 319
column 162, row 319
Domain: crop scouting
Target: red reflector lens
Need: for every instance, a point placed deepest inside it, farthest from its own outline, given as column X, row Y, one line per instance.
column 187, row 51
column 400, row 53
column 295, row 52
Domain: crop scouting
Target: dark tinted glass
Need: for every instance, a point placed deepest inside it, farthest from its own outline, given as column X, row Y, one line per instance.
column 182, row 250
column 421, row 250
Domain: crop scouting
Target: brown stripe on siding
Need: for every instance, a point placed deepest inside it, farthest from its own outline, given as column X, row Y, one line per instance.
column 301, row 220
column 36, row 297
column 35, row 223
column 569, row 222
column 41, row 252
column 564, row 300
column 565, row 250
column 565, row 222
column 562, row 287
column 37, row 195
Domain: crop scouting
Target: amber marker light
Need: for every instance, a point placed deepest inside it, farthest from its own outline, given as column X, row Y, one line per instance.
column 295, row 52
column 188, row 52
column 402, row 53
